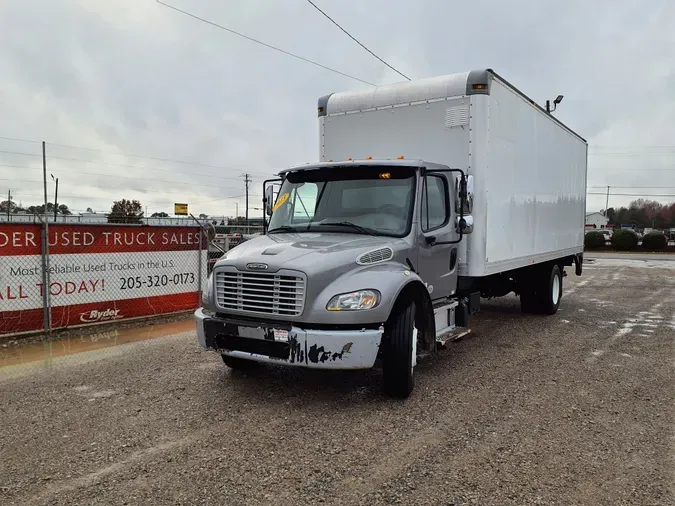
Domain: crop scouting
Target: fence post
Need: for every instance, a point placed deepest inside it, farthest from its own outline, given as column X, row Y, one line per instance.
column 200, row 267
column 46, row 299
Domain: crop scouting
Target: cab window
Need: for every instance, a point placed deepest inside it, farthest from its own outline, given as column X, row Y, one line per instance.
column 435, row 209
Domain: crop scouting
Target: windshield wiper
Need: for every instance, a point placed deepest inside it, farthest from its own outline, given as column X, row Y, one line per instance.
column 283, row 228
column 349, row 224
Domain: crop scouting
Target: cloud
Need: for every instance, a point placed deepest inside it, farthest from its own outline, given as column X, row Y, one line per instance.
column 135, row 77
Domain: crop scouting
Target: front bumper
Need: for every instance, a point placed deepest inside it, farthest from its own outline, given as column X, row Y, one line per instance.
column 292, row 346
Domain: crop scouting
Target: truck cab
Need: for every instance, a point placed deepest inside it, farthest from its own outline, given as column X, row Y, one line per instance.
column 359, row 263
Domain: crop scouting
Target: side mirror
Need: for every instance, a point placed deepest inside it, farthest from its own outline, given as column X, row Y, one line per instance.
column 468, row 198
column 464, row 225
column 269, row 199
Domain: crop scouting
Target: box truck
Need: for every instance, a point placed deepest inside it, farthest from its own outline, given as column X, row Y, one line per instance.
column 429, row 195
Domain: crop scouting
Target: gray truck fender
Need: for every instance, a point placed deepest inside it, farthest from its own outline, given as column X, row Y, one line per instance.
column 392, row 279
column 417, row 290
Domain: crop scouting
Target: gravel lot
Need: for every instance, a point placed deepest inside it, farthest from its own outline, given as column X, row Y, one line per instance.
column 573, row 409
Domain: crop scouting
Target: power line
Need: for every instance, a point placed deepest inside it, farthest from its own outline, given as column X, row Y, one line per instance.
column 269, row 46
column 132, row 155
column 108, row 199
column 633, row 154
column 624, row 148
column 641, row 187
column 355, row 40
column 128, row 177
column 235, row 197
column 108, row 186
column 19, row 140
column 645, row 169
column 20, row 153
column 145, row 168
column 72, row 197
column 633, row 194
column 20, row 167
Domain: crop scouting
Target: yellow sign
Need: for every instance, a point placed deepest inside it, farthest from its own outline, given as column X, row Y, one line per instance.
column 180, row 209
column 280, row 201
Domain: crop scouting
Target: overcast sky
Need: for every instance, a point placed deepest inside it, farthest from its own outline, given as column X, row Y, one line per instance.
column 132, row 76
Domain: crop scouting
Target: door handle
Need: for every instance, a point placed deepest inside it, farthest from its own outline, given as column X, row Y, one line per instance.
column 431, row 240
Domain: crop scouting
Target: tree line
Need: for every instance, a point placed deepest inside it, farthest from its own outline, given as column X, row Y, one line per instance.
column 644, row 213
column 15, row 208
column 122, row 211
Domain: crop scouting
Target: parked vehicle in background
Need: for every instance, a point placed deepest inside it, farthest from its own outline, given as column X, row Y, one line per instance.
column 429, row 195
column 607, row 233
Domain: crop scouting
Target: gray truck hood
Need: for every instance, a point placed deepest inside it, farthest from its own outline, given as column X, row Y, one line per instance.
column 308, row 252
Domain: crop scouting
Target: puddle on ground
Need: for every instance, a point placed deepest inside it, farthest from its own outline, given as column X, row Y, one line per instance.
column 97, row 340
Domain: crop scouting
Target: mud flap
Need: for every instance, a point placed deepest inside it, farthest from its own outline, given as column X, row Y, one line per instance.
column 578, row 264
column 462, row 314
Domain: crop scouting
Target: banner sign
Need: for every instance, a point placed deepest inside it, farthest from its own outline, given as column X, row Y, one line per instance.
column 97, row 273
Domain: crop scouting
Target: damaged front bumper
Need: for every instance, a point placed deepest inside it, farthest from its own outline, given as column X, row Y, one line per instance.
column 289, row 345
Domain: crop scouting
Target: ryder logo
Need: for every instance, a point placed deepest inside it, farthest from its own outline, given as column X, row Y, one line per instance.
column 96, row 316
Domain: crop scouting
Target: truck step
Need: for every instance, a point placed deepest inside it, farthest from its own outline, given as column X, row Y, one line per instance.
column 444, row 316
column 452, row 335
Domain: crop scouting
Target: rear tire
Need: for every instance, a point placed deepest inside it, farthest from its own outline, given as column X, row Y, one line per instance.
column 239, row 363
column 551, row 291
column 542, row 290
column 399, row 350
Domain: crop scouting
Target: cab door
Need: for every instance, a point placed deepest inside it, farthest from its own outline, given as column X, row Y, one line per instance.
column 437, row 262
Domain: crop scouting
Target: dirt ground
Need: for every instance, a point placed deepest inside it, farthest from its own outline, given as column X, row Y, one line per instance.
column 573, row 409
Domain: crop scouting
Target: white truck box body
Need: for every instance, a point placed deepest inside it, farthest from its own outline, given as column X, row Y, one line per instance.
column 529, row 169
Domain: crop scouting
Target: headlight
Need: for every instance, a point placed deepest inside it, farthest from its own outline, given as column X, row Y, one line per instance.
column 361, row 299
column 206, row 292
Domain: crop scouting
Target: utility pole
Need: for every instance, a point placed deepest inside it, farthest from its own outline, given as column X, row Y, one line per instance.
column 44, row 180
column 9, row 203
column 56, row 197
column 247, row 182
column 607, row 202
column 46, row 285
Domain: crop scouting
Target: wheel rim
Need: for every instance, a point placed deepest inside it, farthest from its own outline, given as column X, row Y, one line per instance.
column 555, row 295
column 413, row 358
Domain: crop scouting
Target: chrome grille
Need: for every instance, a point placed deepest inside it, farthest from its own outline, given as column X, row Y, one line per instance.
column 262, row 293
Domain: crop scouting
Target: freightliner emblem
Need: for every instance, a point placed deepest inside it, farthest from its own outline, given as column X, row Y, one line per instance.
column 257, row 267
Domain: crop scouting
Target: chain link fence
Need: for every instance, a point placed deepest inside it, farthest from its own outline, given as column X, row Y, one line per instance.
column 58, row 276
column 55, row 276
column 97, row 282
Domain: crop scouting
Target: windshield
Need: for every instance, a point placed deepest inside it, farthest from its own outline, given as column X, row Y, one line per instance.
column 358, row 199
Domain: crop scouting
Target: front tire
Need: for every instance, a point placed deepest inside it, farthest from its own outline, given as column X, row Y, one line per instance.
column 399, row 353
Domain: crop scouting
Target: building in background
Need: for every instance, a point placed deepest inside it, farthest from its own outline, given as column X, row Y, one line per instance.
column 596, row 220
